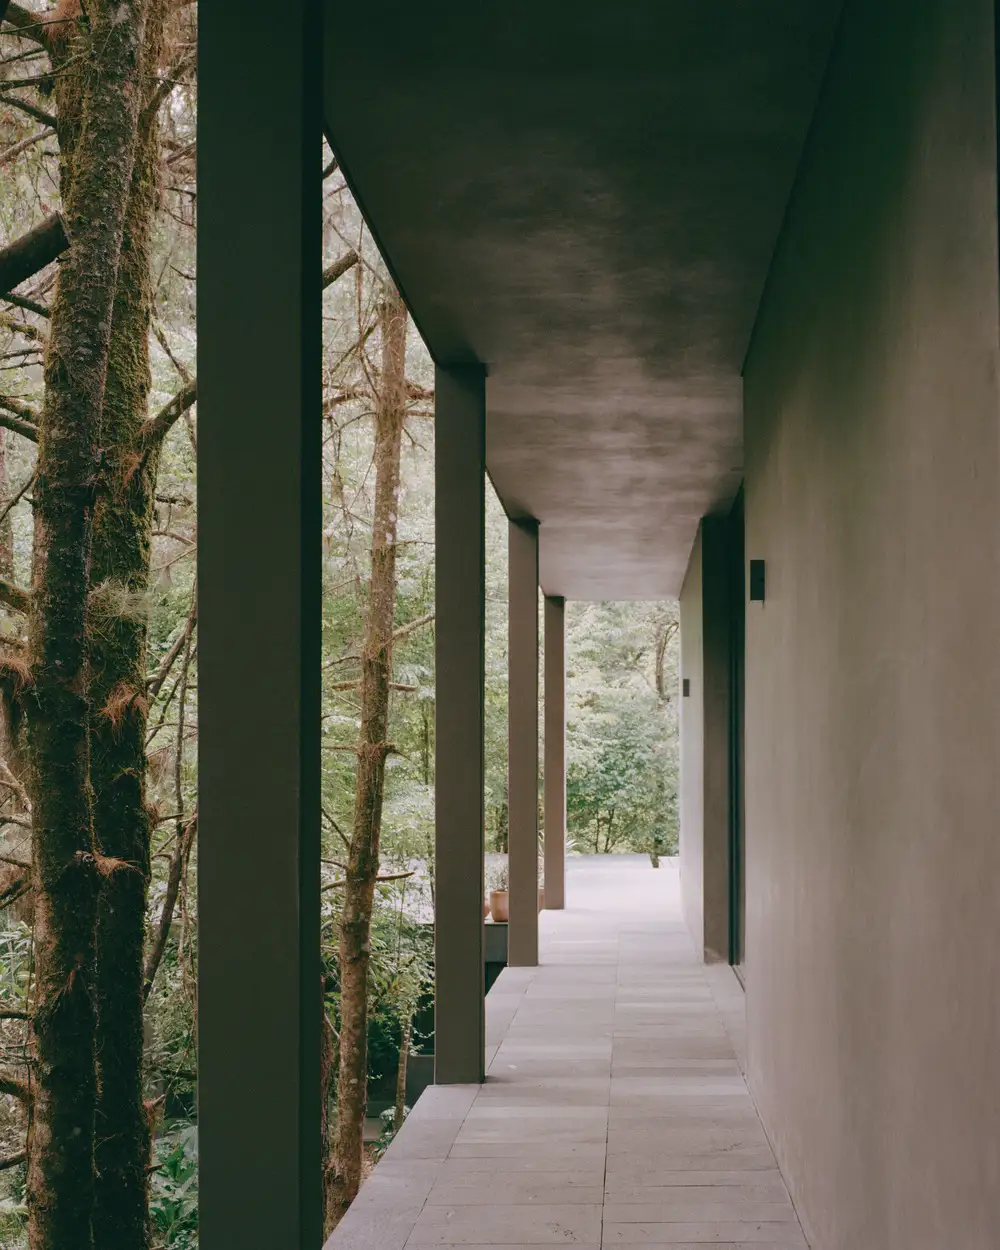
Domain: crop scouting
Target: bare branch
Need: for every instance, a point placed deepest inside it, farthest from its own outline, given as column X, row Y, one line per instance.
column 16, row 499
column 15, row 150
column 11, row 1161
column 32, row 110
column 169, row 903
column 24, row 328
column 155, row 683
column 17, row 889
column 155, row 429
column 167, row 83
column 18, row 416
column 14, row 597
column 26, row 24
column 402, row 632
column 339, row 267
column 182, row 153
column 396, row 876
column 337, row 829
column 14, row 1087
column 412, row 626
column 161, row 338
column 353, row 685
column 34, row 250
column 22, row 301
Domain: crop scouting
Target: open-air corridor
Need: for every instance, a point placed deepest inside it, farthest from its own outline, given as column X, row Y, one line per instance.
column 614, row 1113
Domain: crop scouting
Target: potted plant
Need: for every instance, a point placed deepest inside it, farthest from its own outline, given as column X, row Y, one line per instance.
column 499, row 898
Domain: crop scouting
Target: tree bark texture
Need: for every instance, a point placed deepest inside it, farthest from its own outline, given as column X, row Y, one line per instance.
column 328, row 1070
column 68, row 872
column 406, row 1037
column 373, row 747
column 7, row 523
column 117, row 638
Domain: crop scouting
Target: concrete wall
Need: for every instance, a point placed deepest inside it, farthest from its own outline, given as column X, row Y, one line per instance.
column 704, row 841
column 873, row 668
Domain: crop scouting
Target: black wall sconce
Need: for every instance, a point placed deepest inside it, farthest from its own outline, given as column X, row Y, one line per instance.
column 686, row 687
column 757, row 581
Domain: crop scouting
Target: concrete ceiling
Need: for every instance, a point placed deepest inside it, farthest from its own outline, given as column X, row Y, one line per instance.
column 585, row 197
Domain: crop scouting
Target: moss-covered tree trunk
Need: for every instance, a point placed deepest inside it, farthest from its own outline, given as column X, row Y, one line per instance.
column 373, row 747
column 7, row 524
column 122, row 543
column 67, row 870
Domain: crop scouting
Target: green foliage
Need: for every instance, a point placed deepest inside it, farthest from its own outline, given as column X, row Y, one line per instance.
column 388, row 1130
column 15, row 964
column 13, row 1223
column 498, row 876
column 401, row 976
column 622, row 757
column 173, row 1205
column 14, row 1208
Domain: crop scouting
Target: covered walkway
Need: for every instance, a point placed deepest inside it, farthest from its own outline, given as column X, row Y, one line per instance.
column 614, row 1112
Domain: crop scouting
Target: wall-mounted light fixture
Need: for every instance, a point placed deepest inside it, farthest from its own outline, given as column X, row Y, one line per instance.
column 686, row 687
column 757, row 581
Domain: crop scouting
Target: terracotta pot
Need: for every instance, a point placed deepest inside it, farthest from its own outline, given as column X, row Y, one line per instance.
column 486, row 907
column 500, row 905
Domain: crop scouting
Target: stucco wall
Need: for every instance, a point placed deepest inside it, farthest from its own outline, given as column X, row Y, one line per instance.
column 873, row 668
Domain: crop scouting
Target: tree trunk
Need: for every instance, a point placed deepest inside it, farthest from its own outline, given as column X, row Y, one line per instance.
column 664, row 632
column 425, row 742
column 11, row 676
column 373, row 747
column 327, row 1070
column 68, row 873
column 404, row 1056
column 7, row 524
column 122, row 544
column 503, row 823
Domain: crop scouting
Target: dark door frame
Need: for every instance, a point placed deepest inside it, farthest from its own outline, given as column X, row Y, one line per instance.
column 737, row 666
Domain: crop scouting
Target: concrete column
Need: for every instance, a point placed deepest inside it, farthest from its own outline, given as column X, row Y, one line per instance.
column 522, row 702
column 260, row 1006
column 555, row 752
column 460, row 529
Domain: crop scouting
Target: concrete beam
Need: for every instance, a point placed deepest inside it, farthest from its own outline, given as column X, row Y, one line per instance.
column 522, row 703
column 555, row 752
column 460, row 537
column 260, row 1005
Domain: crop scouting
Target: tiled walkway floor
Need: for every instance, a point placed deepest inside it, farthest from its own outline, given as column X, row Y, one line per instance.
column 614, row 1112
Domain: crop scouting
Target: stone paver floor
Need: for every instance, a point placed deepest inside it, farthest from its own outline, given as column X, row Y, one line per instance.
column 614, row 1111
